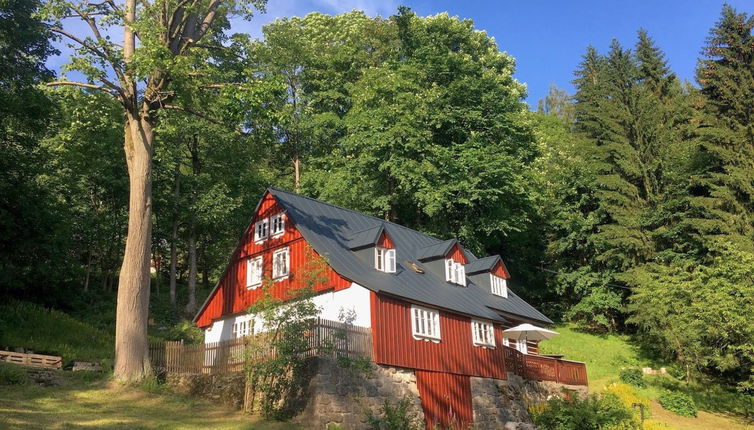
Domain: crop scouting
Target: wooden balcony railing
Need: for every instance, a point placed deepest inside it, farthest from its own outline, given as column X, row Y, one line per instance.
column 538, row 368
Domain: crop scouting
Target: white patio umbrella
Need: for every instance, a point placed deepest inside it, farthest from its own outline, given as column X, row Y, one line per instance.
column 528, row 332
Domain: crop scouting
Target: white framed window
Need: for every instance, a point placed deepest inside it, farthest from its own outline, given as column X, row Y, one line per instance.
column 261, row 230
column 425, row 324
column 280, row 264
column 254, row 272
column 384, row 259
column 241, row 328
column 506, row 342
column 277, row 225
column 482, row 334
column 455, row 272
column 522, row 347
column 499, row 286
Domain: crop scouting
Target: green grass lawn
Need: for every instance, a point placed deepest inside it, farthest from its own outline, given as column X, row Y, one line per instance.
column 86, row 401
column 721, row 407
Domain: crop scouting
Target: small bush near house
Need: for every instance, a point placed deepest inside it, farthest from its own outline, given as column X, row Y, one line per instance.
column 393, row 417
column 594, row 412
column 633, row 377
column 678, row 403
column 11, row 374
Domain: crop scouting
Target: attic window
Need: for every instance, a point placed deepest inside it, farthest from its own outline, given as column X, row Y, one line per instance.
column 384, row 259
column 499, row 286
column 455, row 272
column 261, row 230
column 277, row 227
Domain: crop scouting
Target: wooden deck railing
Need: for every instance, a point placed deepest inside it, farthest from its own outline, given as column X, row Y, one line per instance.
column 540, row 368
column 324, row 338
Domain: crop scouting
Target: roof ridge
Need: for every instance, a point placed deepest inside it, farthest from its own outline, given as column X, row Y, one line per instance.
column 359, row 213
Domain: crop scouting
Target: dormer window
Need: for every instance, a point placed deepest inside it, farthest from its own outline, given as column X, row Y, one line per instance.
column 261, row 230
column 384, row 259
column 455, row 272
column 499, row 286
column 277, row 225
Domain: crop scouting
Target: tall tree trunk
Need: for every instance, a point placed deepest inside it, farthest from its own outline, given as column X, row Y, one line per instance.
column 195, row 169
column 296, row 174
column 174, row 232
column 88, row 270
column 132, row 313
column 205, row 268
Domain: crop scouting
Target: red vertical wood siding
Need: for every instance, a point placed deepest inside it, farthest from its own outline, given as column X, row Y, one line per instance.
column 456, row 253
column 500, row 270
column 233, row 297
column 446, row 399
column 385, row 242
column 455, row 353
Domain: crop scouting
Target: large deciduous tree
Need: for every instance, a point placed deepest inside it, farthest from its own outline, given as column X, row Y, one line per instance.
column 162, row 45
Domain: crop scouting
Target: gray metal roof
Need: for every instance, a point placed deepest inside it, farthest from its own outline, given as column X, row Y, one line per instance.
column 482, row 264
column 436, row 250
column 332, row 231
column 365, row 238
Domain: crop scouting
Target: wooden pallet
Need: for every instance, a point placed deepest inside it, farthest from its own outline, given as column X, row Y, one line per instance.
column 36, row 360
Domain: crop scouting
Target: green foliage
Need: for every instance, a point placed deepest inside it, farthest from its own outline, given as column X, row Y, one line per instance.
column 393, row 417
column 632, row 377
column 594, row 412
column 48, row 331
column 678, row 403
column 277, row 379
column 12, row 374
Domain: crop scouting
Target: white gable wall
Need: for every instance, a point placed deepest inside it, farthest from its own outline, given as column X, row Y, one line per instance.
column 355, row 297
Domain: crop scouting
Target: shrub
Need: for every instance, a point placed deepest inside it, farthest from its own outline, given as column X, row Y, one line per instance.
column 656, row 425
column 11, row 374
column 594, row 412
column 392, row 417
column 633, row 377
column 678, row 403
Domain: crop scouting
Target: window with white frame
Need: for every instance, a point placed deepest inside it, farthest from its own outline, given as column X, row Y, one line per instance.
column 254, row 272
column 455, row 272
column 277, row 225
column 384, row 259
column 241, row 328
column 482, row 334
column 522, row 346
column 499, row 286
column 506, row 342
column 280, row 264
column 261, row 230
column 425, row 324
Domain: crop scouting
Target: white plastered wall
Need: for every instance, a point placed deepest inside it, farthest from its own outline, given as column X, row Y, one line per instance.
column 355, row 297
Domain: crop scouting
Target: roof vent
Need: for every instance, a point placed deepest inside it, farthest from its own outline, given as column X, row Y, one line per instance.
column 413, row 265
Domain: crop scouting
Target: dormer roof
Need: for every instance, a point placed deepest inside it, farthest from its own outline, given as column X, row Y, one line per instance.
column 486, row 264
column 436, row 250
column 366, row 238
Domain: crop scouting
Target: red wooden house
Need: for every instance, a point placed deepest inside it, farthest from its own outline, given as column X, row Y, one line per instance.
column 432, row 306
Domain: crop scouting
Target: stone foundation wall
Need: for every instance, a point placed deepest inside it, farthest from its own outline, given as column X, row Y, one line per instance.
column 342, row 396
column 501, row 404
column 224, row 389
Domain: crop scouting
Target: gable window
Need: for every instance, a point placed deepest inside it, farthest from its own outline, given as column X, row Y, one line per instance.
column 384, row 259
column 499, row 286
column 261, row 230
column 254, row 272
column 425, row 324
column 455, row 272
column 277, row 225
column 482, row 334
column 280, row 264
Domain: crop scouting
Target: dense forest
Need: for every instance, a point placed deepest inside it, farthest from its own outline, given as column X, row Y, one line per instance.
column 627, row 206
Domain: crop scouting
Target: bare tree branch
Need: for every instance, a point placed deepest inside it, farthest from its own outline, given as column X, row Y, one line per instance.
column 79, row 84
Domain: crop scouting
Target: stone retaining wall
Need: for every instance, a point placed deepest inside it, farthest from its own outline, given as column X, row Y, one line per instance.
column 501, row 404
column 342, row 396
column 225, row 389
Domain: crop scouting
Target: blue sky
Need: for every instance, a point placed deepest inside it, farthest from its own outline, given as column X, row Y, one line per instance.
column 547, row 38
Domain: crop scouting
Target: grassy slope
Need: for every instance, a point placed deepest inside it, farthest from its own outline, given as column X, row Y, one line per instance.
column 606, row 355
column 82, row 402
column 52, row 332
